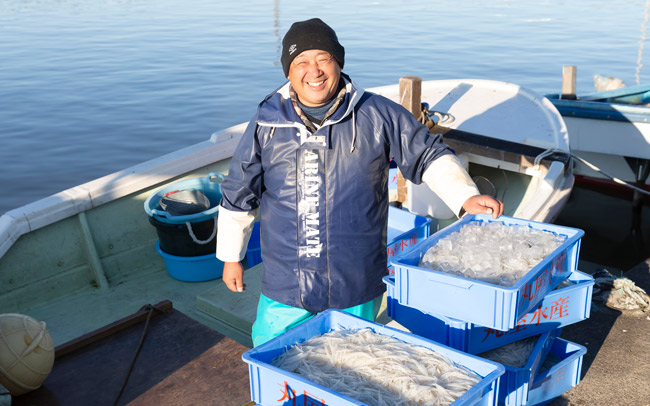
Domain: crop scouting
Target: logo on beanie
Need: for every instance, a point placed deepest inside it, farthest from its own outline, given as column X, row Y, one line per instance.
column 292, row 49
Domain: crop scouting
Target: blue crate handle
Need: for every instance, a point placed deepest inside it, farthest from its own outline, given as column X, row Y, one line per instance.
column 212, row 177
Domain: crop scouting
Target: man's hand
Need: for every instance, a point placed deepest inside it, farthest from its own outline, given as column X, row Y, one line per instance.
column 233, row 276
column 483, row 204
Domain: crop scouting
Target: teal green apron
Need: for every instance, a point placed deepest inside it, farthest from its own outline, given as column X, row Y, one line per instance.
column 274, row 318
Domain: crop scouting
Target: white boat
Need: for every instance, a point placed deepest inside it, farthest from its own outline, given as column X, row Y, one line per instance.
column 85, row 257
column 609, row 134
column 514, row 141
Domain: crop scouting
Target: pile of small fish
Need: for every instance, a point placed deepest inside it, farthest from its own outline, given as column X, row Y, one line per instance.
column 514, row 354
column 377, row 369
column 492, row 252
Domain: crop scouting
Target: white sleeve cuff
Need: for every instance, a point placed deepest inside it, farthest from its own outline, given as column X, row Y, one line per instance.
column 447, row 178
column 233, row 232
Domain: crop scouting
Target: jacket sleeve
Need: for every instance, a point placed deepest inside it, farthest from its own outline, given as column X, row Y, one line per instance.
column 234, row 231
column 243, row 186
column 447, row 178
column 241, row 193
column 412, row 146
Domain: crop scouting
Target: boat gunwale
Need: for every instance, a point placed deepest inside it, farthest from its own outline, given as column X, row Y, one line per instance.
column 599, row 110
column 78, row 199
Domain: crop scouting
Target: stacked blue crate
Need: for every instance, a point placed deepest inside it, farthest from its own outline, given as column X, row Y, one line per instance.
column 475, row 316
column 272, row 386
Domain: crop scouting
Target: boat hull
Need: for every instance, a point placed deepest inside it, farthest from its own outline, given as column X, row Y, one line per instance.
column 609, row 140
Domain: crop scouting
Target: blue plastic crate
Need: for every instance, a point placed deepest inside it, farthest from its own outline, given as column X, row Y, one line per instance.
column 561, row 307
column 515, row 384
column 560, row 377
column 392, row 179
column 405, row 231
column 270, row 385
column 479, row 302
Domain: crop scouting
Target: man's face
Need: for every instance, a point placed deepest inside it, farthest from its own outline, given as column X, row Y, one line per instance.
column 314, row 75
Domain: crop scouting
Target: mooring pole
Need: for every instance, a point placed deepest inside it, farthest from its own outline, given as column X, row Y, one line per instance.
column 569, row 82
column 410, row 96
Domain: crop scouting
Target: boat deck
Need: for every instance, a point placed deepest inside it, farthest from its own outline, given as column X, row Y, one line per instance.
column 180, row 361
column 91, row 308
column 221, row 313
column 210, row 303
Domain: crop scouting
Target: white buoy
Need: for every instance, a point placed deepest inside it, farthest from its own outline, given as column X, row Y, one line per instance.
column 26, row 353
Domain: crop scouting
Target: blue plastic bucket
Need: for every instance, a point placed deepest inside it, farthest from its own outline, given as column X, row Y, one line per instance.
column 187, row 235
column 210, row 186
column 191, row 269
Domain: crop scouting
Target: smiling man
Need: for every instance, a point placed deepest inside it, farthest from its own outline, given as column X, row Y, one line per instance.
column 313, row 166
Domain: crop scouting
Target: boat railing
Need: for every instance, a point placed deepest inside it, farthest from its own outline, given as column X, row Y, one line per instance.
column 81, row 198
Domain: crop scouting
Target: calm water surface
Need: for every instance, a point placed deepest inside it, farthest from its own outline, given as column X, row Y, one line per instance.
column 89, row 87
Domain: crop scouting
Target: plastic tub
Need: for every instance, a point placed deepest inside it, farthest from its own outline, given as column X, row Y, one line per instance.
column 268, row 383
column 474, row 301
column 187, row 235
column 561, row 307
column 405, row 230
column 210, row 186
column 516, row 382
column 175, row 239
column 191, row 269
column 565, row 358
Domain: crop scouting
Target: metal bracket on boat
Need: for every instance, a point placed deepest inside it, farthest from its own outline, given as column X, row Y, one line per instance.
column 543, row 155
column 441, row 119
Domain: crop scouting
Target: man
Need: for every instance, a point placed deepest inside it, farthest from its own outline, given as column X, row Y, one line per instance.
column 313, row 164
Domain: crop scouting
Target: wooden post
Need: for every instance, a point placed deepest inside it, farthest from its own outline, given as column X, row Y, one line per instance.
column 410, row 96
column 568, row 82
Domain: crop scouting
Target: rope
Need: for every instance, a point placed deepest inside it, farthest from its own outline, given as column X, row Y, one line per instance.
column 137, row 352
column 507, row 184
column 615, row 179
column 196, row 240
column 443, row 118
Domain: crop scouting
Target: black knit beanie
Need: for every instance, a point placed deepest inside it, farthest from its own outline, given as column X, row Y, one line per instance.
column 310, row 34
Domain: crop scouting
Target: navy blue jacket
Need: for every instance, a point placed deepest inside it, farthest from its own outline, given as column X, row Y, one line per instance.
column 323, row 197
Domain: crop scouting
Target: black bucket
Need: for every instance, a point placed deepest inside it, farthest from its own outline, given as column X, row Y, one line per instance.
column 175, row 239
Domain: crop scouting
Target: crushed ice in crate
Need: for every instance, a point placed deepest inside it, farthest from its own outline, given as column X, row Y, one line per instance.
column 492, row 252
column 377, row 369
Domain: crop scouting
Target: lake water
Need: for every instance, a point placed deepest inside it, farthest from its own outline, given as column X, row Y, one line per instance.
column 89, row 87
